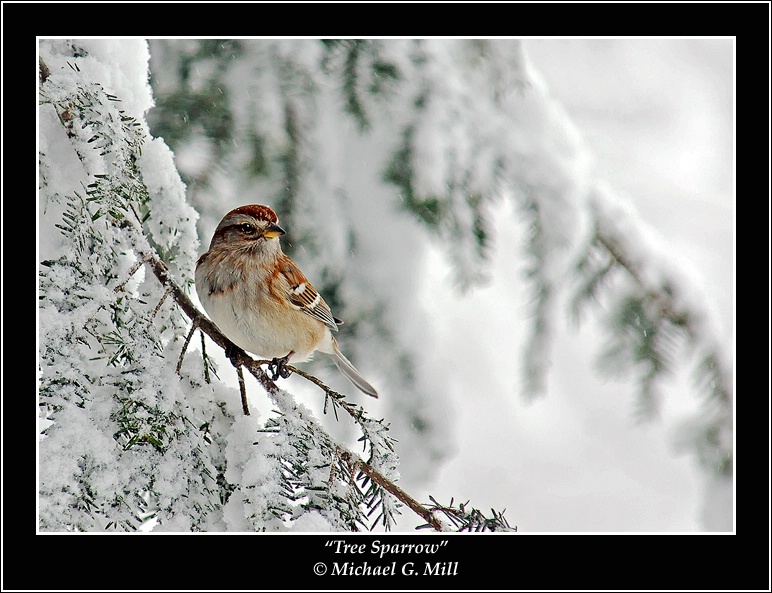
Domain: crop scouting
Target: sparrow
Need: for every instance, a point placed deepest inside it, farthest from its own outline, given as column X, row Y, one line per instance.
column 261, row 301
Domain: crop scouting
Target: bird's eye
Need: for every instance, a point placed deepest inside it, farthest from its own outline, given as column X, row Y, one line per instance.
column 247, row 228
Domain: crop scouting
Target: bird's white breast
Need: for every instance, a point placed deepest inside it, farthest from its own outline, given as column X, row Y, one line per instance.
column 255, row 322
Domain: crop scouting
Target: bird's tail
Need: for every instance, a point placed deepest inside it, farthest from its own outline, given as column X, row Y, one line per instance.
column 348, row 369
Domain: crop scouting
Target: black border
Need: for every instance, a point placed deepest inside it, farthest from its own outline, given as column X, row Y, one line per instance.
column 498, row 562
column 401, row 19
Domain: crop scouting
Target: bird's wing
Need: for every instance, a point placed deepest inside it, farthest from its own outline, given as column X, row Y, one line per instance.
column 303, row 296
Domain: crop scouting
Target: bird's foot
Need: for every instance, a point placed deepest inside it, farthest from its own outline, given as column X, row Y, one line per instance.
column 235, row 354
column 278, row 367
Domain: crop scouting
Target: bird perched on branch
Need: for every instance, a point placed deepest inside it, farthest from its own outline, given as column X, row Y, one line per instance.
column 260, row 299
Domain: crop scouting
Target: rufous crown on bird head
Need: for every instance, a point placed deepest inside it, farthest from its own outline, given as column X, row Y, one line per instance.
column 253, row 221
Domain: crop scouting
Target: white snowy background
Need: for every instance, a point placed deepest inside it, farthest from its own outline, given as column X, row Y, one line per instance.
column 657, row 116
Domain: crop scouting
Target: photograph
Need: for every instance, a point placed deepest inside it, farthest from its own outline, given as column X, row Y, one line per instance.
column 405, row 288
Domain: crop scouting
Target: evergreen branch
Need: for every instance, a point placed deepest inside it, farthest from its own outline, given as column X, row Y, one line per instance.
column 470, row 519
column 310, row 469
column 662, row 300
column 241, row 359
column 663, row 303
column 652, row 321
column 337, row 400
column 391, row 487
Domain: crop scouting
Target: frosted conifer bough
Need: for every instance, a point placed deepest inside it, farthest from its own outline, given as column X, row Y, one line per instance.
column 439, row 106
column 461, row 518
column 120, row 414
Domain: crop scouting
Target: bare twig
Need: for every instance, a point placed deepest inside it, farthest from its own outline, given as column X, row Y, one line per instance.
column 161, row 302
column 243, row 390
column 184, row 348
column 203, row 355
column 134, row 269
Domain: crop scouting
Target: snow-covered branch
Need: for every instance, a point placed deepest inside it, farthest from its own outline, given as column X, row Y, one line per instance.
column 240, row 358
column 127, row 438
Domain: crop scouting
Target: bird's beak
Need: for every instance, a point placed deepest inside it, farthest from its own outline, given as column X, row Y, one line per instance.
column 273, row 230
